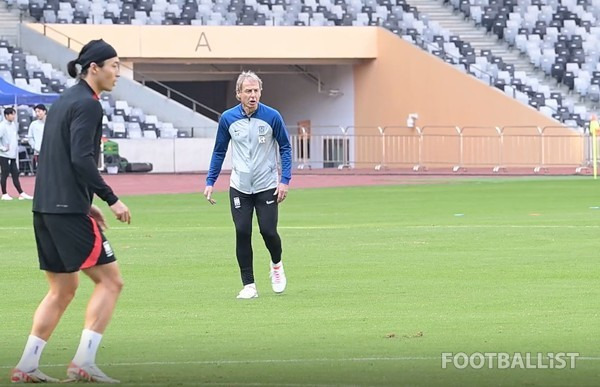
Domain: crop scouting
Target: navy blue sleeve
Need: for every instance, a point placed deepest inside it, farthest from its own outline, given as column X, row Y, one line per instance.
column 218, row 156
column 285, row 149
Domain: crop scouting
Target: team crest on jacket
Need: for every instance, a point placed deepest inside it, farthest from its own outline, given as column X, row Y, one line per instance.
column 262, row 130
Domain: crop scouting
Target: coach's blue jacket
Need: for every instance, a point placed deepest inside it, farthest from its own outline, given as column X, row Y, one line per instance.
column 254, row 143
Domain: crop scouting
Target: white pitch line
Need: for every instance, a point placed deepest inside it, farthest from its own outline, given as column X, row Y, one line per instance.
column 10, row 228
column 388, row 225
column 442, row 226
column 263, row 361
column 251, row 384
column 275, row 361
column 351, row 226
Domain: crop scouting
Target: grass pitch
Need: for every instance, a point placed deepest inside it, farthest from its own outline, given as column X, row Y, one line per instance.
column 381, row 281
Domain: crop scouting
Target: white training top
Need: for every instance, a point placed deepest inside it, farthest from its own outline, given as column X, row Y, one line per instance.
column 35, row 135
column 9, row 139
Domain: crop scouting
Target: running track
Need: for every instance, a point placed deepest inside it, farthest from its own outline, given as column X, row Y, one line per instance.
column 147, row 184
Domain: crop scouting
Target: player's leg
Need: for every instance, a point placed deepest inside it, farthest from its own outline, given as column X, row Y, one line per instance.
column 242, row 209
column 267, row 213
column 62, row 288
column 4, row 172
column 46, row 318
column 108, row 285
column 104, row 271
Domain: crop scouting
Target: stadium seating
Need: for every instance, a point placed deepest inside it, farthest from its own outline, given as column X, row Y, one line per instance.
column 559, row 38
column 120, row 119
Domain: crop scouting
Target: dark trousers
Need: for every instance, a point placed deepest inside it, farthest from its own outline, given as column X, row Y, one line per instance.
column 36, row 157
column 242, row 210
column 9, row 166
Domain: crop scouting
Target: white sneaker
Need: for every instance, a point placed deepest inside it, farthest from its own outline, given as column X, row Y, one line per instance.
column 249, row 291
column 278, row 280
column 35, row 376
column 24, row 196
column 88, row 373
column 6, row 197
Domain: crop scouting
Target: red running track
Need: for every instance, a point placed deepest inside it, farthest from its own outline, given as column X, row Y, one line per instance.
column 147, row 184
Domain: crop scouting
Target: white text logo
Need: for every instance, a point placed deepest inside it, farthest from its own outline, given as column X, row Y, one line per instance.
column 505, row 360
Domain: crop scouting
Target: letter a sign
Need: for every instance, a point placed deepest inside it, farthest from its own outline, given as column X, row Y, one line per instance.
column 203, row 42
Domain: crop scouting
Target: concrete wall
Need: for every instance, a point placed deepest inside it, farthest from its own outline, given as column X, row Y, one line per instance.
column 298, row 99
column 171, row 155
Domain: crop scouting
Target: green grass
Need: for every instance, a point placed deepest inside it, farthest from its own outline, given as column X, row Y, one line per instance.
column 381, row 281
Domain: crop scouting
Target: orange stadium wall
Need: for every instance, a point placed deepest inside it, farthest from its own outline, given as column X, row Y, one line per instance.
column 405, row 79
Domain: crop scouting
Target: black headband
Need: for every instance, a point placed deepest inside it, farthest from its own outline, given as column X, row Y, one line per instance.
column 95, row 51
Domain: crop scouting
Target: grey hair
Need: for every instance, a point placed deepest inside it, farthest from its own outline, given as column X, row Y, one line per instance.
column 247, row 75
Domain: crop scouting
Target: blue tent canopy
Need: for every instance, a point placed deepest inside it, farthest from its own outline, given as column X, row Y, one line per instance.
column 13, row 95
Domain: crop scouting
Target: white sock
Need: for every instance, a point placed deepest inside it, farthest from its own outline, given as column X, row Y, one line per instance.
column 30, row 360
column 88, row 346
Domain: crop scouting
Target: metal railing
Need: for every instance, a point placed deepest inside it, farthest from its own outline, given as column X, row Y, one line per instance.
column 457, row 148
column 448, row 149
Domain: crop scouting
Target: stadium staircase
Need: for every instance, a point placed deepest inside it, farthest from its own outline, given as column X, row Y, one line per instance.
column 9, row 23
column 457, row 24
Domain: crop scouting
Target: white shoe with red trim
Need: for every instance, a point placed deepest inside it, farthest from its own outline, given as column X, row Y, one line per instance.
column 88, row 373
column 278, row 280
column 35, row 376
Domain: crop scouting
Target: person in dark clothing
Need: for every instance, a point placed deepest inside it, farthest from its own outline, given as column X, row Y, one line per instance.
column 9, row 154
column 68, row 227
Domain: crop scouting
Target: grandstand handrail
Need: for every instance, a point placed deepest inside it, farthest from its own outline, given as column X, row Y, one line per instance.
column 144, row 77
column 457, row 59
